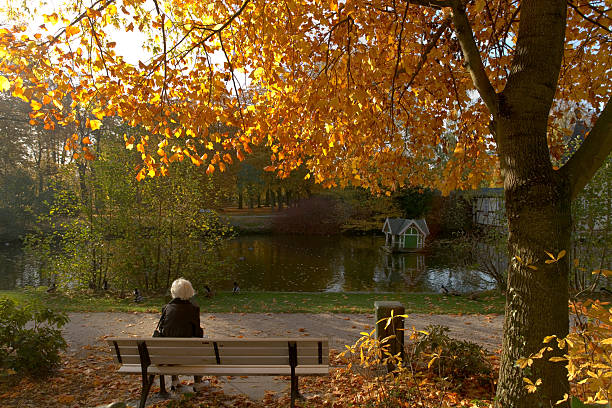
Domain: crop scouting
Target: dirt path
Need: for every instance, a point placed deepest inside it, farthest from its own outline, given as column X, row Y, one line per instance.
column 87, row 329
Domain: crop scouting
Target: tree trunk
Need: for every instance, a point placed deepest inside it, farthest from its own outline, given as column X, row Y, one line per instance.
column 538, row 207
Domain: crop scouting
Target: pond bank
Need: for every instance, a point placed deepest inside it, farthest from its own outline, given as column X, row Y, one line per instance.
column 270, row 302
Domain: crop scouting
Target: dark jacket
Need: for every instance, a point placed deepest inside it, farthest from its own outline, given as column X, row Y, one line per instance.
column 181, row 318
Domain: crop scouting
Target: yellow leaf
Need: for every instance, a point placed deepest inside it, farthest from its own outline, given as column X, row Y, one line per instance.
column 95, row 124
column 210, row 169
column 605, row 272
column 72, row 30
column 258, row 73
column 46, row 99
column 333, row 5
column 607, row 341
column 4, row 83
column 433, row 360
column 140, row 175
column 561, row 254
column 50, row 18
column 35, row 105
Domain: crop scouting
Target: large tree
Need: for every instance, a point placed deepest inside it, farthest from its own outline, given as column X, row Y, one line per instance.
column 360, row 92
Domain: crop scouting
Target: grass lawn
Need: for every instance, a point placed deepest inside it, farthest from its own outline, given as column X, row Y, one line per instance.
column 268, row 302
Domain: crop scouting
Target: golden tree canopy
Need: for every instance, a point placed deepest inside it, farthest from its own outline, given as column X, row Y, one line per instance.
column 359, row 91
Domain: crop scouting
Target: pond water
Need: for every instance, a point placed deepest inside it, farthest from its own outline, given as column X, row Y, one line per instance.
column 345, row 264
column 312, row 263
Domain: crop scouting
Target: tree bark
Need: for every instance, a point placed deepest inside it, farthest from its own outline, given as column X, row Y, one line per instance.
column 538, row 200
column 538, row 208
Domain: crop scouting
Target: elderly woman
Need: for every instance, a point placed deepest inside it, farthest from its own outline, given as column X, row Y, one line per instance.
column 181, row 318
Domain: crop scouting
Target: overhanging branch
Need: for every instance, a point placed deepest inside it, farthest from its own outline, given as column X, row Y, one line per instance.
column 581, row 167
column 473, row 61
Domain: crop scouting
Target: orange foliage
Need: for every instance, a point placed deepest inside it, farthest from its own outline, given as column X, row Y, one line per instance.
column 343, row 87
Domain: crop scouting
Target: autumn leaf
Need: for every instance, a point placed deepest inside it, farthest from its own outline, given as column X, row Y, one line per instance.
column 72, row 30
column 5, row 85
column 95, row 124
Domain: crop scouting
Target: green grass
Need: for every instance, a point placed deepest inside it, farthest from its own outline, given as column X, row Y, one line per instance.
column 268, row 302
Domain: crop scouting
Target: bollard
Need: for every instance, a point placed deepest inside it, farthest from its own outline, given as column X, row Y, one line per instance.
column 383, row 311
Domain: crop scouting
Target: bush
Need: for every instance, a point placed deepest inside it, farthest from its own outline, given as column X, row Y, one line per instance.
column 585, row 353
column 448, row 356
column 30, row 338
column 431, row 359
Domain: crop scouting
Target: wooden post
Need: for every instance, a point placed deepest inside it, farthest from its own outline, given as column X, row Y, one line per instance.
column 396, row 327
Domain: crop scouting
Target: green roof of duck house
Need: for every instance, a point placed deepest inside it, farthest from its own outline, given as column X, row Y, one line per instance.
column 405, row 234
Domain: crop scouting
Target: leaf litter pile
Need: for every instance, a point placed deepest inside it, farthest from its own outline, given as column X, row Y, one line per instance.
column 90, row 380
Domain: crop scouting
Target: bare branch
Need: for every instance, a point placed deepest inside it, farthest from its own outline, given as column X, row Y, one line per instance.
column 590, row 20
column 581, row 167
column 472, row 57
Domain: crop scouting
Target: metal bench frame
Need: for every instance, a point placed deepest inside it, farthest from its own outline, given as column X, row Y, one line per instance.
column 148, row 370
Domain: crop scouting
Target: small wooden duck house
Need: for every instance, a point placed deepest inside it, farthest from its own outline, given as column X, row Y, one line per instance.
column 404, row 235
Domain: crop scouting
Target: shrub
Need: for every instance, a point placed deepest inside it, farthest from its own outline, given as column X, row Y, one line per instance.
column 425, row 361
column 448, row 356
column 30, row 338
column 587, row 352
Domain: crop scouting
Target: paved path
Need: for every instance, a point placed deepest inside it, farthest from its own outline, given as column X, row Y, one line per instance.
column 88, row 329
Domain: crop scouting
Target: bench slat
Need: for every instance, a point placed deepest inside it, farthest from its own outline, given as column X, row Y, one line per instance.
column 225, row 360
column 226, row 351
column 216, row 370
column 222, row 342
column 203, row 351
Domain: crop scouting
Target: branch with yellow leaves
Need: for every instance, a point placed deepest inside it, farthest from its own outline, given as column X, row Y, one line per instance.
column 430, row 46
column 581, row 167
column 78, row 19
column 471, row 54
column 590, row 20
column 216, row 30
column 473, row 60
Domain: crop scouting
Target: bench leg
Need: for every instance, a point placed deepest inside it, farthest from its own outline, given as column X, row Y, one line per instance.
column 162, row 387
column 295, row 392
column 146, row 386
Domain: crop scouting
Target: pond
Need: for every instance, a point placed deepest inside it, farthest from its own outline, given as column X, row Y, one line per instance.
column 303, row 263
column 299, row 263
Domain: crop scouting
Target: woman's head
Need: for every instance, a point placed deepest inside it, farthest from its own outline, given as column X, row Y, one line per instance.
column 182, row 289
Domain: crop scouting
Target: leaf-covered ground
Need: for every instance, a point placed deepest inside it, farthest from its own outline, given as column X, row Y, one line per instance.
column 92, row 381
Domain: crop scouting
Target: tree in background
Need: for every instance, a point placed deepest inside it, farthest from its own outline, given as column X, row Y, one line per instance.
column 359, row 92
column 109, row 227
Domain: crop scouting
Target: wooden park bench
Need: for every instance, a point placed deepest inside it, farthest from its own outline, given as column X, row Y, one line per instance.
column 151, row 356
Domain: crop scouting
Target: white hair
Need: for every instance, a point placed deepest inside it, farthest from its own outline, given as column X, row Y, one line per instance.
column 182, row 289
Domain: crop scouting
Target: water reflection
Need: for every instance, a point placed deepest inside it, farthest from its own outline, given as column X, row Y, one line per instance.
column 309, row 264
column 17, row 269
column 343, row 264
